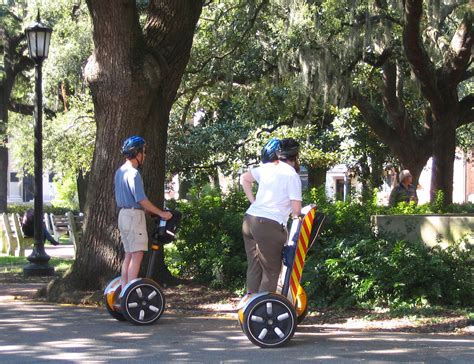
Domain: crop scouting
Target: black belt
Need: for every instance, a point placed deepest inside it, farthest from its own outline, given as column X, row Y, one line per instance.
column 131, row 208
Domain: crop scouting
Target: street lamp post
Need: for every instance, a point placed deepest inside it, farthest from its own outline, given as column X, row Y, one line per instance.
column 38, row 36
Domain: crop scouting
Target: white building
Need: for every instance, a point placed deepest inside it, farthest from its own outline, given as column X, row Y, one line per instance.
column 21, row 189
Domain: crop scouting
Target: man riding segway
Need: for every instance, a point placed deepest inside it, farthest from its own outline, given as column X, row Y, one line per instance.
column 139, row 300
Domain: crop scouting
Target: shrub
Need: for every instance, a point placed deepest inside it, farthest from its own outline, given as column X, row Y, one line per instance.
column 348, row 266
column 365, row 271
column 210, row 247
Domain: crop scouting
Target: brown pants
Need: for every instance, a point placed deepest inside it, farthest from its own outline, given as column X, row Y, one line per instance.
column 264, row 240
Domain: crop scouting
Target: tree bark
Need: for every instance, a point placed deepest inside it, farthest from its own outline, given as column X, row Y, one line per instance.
column 133, row 75
column 439, row 87
column 82, row 183
column 3, row 150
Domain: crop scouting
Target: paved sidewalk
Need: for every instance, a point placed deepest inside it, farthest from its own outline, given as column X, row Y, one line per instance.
column 41, row 333
column 60, row 251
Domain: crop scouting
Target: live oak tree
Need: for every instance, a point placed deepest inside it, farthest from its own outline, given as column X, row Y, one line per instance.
column 439, row 79
column 14, row 63
column 140, row 53
column 400, row 63
column 234, row 97
column 68, row 126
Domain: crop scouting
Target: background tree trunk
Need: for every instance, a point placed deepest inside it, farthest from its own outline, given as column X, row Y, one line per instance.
column 316, row 177
column 3, row 150
column 439, row 87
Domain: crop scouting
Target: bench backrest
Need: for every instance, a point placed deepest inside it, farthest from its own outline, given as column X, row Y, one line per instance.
column 16, row 241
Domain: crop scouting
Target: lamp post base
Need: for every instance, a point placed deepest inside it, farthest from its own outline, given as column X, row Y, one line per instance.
column 38, row 265
column 38, row 270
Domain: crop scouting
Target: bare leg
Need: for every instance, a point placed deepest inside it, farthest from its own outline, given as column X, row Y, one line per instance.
column 134, row 267
column 125, row 267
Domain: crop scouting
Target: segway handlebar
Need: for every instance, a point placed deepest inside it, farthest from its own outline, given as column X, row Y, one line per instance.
column 164, row 231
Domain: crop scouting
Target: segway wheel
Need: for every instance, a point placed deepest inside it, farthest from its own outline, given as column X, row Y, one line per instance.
column 269, row 321
column 142, row 302
column 111, row 294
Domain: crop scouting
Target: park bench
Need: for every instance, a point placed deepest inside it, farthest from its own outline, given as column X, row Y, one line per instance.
column 16, row 242
column 75, row 223
column 59, row 225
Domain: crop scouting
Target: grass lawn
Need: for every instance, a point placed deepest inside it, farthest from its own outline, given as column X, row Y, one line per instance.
column 14, row 265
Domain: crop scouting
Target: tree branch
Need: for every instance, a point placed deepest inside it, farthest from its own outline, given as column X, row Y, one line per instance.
column 237, row 146
column 373, row 118
column 461, row 45
column 416, row 54
column 237, row 45
column 28, row 110
column 448, row 9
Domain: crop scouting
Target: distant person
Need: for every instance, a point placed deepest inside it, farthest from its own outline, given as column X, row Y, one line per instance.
column 405, row 191
column 28, row 227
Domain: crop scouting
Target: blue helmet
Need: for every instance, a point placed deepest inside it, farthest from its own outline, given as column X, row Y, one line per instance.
column 132, row 146
column 269, row 151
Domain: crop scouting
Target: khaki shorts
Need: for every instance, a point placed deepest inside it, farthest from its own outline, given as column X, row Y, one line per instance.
column 132, row 226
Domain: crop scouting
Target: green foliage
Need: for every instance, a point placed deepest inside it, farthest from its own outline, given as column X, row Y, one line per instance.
column 348, row 266
column 66, row 193
column 15, row 264
column 68, row 124
column 209, row 247
column 365, row 271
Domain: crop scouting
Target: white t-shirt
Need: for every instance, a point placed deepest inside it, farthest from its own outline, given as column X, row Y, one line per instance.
column 277, row 185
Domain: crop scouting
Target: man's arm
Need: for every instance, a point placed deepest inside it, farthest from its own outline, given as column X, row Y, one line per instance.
column 246, row 180
column 149, row 207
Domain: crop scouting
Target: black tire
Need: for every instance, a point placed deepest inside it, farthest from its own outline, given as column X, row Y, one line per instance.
column 143, row 302
column 269, row 321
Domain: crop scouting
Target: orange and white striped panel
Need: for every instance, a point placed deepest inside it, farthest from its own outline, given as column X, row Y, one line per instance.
column 301, row 250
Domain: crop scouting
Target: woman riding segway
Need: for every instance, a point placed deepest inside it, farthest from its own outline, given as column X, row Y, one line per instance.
column 269, row 313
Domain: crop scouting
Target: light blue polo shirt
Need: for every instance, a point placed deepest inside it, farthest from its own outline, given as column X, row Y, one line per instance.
column 128, row 187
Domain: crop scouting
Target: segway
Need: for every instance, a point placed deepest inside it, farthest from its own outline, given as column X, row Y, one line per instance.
column 142, row 301
column 270, row 319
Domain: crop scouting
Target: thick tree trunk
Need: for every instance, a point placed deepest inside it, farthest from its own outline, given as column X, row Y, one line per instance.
column 444, row 147
column 3, row 151
column 439, row 86
column 133, row 80
column 412, row 152
column 82, row 183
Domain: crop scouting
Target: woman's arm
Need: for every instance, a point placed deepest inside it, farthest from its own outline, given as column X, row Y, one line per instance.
column 246, row 180
column 295, row 207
